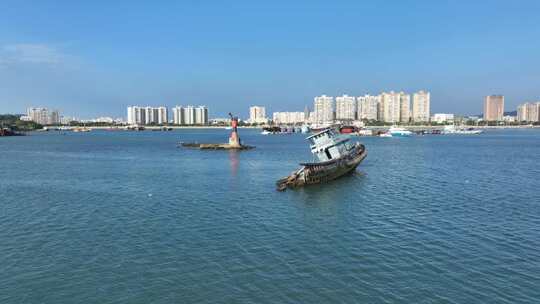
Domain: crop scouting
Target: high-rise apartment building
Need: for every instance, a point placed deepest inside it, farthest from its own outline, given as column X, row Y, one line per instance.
column 421, row 106
column 190, row 115
column 288, row 117
column 257, row 114
column 201, row 115
column 529, row 112
column 146, row 115
column 43, row 116
column 405, row 107
column 390, row 107
column 493, row 108
column 323, row 109
column 163, row 116
column 345, row 108
column 150, row 115
column 368, row 107
column 178, row 115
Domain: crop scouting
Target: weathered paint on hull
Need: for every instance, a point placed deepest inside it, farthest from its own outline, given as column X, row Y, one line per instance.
column 316, row 173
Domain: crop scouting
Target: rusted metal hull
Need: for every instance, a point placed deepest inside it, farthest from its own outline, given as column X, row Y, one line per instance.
column 316, row 173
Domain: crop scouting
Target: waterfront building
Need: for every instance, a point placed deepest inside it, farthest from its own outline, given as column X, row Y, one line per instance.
column 150, row 115
column 306, row 114
column 257, row 114
column 509, row 118
column 189, row 115
column 43, row 116
column 137, row 115
column 405, row 107
column 493, row 107
column 323, row 109
column 421, row 106
column 163, row 116
column 368, row 107
column 390, row 107
column 345, row 108
column 288, row 118
column 201, row 115
column 522, row 112
column 442, row 118
column 178, row 115
column 529, row 112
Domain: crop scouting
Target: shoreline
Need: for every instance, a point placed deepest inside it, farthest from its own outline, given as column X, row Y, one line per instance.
column 412, row 127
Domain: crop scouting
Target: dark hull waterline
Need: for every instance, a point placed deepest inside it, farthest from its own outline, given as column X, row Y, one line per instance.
column 316, row 173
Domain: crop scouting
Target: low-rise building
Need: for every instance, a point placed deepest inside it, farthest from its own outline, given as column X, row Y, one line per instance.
column 442, row 118
column 288, row 117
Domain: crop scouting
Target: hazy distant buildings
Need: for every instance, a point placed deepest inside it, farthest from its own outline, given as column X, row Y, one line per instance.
column 529, row 112
column 323, row 109
column 442, row 118
column 288, row 117
column 163, row 116
column 257, row 114
column 405, row 107
column 421, row 106
column 345, row 108
column 147, row 115
column 493, row 108
column 201, row 115
column 190, row 115
column 178, row 116
column 390, row 107
column 368, row 106
column 43, row 116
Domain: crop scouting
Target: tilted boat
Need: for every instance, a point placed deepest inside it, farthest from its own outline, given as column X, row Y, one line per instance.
column 336, row 156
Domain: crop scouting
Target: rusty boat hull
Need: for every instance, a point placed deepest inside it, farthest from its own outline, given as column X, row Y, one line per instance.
column 322, row 172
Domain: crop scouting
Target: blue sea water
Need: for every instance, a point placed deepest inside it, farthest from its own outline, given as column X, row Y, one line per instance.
column 127, row 217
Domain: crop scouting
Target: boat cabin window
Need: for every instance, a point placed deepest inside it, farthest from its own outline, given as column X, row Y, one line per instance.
column 328, row 154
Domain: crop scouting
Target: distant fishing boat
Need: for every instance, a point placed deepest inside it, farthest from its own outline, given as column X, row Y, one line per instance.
column 336, row 156
column 399, row 132
column 346, row 129
column 81, row 129
column 451, row 129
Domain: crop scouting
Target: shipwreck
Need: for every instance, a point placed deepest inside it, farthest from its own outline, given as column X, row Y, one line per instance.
column 335, row 156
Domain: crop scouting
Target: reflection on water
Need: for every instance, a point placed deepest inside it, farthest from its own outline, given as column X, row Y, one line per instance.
column 415, row 222
column 234, row 162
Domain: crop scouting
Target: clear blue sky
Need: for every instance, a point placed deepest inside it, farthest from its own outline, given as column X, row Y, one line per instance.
column 91, row 58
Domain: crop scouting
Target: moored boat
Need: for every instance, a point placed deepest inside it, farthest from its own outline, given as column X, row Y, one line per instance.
column 451, row 129
column 346, row 129
column 399, row 132
column 81, row 129
column 336, row 156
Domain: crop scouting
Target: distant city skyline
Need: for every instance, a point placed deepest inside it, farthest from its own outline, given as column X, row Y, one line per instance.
column 231, row 56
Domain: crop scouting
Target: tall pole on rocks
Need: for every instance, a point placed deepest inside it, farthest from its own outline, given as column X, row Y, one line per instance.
column 234, row 139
